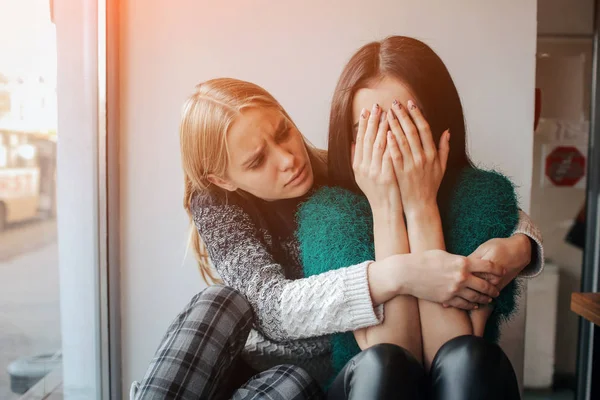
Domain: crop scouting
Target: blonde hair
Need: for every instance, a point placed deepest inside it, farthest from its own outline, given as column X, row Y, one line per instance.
column 206, row 118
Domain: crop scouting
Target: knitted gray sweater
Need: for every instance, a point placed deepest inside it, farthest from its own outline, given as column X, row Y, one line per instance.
column 253, row 248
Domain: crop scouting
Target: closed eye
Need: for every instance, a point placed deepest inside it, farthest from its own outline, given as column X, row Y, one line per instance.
column 257, row 162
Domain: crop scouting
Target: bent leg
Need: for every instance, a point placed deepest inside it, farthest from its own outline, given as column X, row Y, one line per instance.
column 383, row 371
column 197, row 354
column 470, row 368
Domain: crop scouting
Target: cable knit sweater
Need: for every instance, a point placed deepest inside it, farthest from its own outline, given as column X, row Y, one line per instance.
column 253, row 248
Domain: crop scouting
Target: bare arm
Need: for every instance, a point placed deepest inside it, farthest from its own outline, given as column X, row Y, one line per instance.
column 374, row 173
column 419, row 174
column 401, row 325
column 438, row 324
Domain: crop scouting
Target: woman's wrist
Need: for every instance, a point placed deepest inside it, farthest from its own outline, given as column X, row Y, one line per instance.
column 422, row 212
column 390, row 234
column 387, row 279
column 523, row 245
column 390, row 213
column 386, row 208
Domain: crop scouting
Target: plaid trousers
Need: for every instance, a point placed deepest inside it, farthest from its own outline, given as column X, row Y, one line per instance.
column 198, row 355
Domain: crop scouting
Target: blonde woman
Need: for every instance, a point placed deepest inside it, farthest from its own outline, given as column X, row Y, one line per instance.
column 246, row 168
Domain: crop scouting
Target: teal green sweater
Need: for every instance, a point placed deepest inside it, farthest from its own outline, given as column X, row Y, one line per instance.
column 335, row 229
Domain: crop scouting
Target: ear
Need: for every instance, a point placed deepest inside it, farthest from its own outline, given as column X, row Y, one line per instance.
column 222, row 183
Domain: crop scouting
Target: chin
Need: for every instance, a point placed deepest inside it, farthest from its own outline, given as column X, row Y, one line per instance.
column 303, row 189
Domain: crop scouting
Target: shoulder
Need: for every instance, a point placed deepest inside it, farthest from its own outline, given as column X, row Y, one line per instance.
column 479, row 180
column 205, row 202
column 210, row 208
column 485, row 201
column 483, row 205
column 488, row 178
column 486, row 188
column 205, row 199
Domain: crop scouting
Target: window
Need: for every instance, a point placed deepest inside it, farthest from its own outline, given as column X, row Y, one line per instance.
column 52, row 290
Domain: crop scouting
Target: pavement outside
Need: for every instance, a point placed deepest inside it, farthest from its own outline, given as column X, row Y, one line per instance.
column 29, row 295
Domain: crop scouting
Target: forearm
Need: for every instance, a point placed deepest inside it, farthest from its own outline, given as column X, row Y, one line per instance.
column 331, row 302
column 514, row 254
column 401, row 325
column 438, row 324
column 520, row 249
column 389, row 231
column 533, row 260
column 425, row 229
column 517, row 255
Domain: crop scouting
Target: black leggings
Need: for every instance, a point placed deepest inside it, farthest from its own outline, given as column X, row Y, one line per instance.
column 465, row 368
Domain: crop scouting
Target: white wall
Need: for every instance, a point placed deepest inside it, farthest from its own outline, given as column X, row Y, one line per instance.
column 296, row 50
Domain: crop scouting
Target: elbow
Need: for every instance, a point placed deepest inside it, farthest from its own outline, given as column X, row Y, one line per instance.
column 273, row 329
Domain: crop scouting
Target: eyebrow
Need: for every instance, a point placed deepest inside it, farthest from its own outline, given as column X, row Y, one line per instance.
column 282, row 125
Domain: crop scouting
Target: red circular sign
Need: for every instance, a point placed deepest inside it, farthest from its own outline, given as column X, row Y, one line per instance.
column 565, row 166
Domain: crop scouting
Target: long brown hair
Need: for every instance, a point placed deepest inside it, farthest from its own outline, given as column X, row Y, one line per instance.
column 206, row 118
column 417, row 66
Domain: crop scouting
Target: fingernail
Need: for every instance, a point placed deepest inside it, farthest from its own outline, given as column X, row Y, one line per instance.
column 497, row 294
column 364, row 113
column 448, row 135
column 412, row 105
column 375, row 107
column 395, row 102
column 489, row 300
column 476, row 306
column 382, row 117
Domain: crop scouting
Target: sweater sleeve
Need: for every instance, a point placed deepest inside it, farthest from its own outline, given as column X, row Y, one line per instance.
column 335, row 301
column 529, row 229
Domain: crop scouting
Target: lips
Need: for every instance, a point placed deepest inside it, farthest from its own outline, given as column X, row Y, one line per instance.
column 296, row 175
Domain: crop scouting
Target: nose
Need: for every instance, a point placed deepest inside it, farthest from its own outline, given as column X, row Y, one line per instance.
column 286, row 158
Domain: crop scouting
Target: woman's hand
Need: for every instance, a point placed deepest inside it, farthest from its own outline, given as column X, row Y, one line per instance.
column 419, row 166
column 513, row 254
column 372, row 164
column 441, row 277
